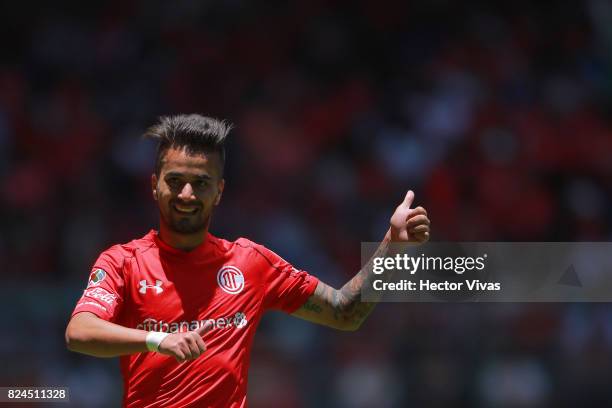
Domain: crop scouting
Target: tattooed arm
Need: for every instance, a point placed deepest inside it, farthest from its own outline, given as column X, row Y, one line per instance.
column 342, row 308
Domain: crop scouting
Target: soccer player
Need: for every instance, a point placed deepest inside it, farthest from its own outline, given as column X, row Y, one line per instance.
column 181, row 306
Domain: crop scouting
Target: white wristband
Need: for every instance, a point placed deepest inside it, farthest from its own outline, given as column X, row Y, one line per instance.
column 154, row 339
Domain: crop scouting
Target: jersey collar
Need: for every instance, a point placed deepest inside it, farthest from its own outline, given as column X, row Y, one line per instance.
column 194, row 253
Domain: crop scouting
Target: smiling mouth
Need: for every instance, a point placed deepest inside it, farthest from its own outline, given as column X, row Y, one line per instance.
column 185, row 209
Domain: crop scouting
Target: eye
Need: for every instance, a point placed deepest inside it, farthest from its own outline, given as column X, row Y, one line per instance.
column 173, row 182
column 200, row 183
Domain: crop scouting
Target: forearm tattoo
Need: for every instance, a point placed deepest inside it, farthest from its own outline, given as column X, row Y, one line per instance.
column 346, row 302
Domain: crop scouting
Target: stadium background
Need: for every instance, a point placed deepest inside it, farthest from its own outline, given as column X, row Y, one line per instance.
column 496, row 113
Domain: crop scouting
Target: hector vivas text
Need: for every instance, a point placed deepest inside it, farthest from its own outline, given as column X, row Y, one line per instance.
column 414, row 264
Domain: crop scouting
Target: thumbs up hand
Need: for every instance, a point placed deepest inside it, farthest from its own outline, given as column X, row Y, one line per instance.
column 409, row 224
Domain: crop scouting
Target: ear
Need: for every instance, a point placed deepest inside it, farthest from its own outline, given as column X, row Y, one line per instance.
column 154, row 186
column 220, row 187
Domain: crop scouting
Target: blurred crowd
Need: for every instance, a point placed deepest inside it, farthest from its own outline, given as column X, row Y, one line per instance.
column 497, row 114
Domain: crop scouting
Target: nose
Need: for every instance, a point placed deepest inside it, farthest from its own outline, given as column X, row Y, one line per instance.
column 187, row 192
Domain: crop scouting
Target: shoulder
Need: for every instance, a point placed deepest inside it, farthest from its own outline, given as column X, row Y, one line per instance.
column 120, row 252
column 240, row 245
column 244, row 247
column 142, row 245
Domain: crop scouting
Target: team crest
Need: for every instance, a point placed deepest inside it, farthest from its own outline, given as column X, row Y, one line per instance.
column 96, row 277
column 230, row 279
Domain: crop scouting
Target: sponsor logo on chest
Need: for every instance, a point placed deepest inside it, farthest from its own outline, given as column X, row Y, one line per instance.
column 236, row 321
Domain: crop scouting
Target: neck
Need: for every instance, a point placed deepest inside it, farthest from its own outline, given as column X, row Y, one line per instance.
column 185, row 242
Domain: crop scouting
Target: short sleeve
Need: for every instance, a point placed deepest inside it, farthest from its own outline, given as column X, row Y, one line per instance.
column 103, row 295
column 286, row 288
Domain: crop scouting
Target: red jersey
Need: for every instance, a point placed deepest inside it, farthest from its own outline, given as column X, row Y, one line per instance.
column 149, row 285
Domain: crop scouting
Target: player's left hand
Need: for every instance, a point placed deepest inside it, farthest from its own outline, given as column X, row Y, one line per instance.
column 409, row 224
column 184, row 346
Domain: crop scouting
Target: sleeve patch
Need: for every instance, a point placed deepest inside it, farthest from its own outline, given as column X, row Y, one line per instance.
column 100, row 294
column 96, row 277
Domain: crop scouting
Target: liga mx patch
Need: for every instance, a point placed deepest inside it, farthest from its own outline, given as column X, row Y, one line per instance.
column 230, row 279
column 96, row 277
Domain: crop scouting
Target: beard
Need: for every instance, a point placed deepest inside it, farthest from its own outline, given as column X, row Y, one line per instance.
column 182, row 224
column 185, row 226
